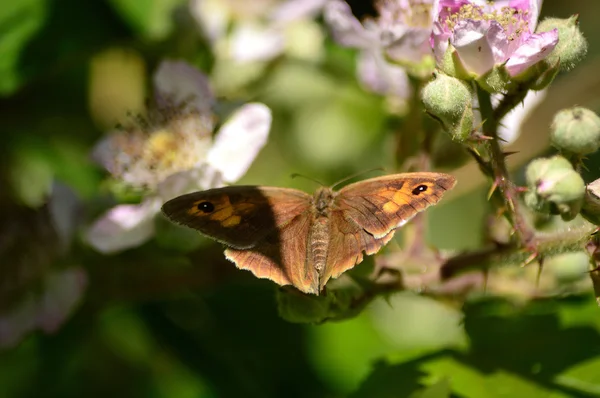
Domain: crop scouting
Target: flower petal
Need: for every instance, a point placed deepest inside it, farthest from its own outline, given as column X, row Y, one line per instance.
column 254, row 42
column 535, row 48
column 345, row 28
column 177, row 83
column 199, row 178
column 48, row 309
column 124, row 226
column 239, row 140
column 292, row 10
column 439, row 41
column 411, row 47
column 473, row 46
column 382, row 77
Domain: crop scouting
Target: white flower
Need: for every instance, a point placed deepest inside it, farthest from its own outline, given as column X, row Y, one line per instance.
column 174, row 153
column 259, row 30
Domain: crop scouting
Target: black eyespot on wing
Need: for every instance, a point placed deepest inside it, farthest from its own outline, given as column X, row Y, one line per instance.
column 206, row 207
column 419, row 189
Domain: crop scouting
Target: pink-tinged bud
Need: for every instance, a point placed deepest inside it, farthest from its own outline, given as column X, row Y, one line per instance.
column 554, row 187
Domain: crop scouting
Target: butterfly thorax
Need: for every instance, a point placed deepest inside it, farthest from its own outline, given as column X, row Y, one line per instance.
column 323, row 200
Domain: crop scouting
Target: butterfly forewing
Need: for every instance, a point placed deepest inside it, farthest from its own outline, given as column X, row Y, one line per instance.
column 380, row 205
column 239, row 216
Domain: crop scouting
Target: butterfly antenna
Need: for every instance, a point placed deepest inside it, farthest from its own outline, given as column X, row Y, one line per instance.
column 308, row 178
column 343, row 180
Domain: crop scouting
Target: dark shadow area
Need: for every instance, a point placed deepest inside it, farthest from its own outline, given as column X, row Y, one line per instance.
column 237, row 342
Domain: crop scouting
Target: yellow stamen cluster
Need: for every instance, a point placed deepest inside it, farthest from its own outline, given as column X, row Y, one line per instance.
column 146, row 153
column 514, row 21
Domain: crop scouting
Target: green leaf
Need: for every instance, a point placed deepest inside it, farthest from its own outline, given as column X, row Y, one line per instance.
column 441, row 389
column 19, row 22
column 151, row 19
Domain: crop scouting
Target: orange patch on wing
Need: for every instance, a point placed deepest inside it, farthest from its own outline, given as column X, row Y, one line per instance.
column 390, row 207
column 223, row 213
column 231, row 221
column 399, row 197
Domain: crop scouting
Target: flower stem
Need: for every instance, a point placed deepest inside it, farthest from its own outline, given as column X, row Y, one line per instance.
column 499, row 171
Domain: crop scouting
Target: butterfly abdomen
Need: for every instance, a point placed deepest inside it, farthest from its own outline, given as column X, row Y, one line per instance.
column 319, row 243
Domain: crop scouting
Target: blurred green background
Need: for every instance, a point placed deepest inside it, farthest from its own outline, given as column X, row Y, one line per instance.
column 154, row 324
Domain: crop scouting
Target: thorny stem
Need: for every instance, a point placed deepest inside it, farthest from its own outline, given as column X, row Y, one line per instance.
column 499, row 170
column 510, row 101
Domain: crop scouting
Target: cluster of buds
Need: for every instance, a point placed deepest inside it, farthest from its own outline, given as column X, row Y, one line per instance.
column 554, row 184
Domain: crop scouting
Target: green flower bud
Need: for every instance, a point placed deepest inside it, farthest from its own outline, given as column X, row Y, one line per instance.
column 571, row 47
column 496, row 80
column 555, row 186
column 449, row 101
column 591, row 203
column 568, row 267
column 576, row 131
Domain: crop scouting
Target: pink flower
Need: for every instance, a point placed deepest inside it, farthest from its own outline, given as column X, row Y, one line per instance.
column 485, row 34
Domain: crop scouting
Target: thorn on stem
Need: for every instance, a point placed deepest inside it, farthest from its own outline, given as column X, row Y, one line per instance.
column 532, row 257
column 539, row 273
column 492, row 190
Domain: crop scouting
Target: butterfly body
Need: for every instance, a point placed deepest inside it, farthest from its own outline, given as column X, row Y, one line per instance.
column 290, row 237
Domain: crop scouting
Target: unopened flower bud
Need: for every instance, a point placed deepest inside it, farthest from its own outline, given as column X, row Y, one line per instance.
column 568, row 267
column 576, row 131
column 571, row 47
column 449, row 101
column 555, row 187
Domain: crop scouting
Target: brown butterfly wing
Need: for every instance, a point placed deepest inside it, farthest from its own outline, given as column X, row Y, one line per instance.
column 266, row 228
column 367, row 213
column 281, row 256
column 239, row 216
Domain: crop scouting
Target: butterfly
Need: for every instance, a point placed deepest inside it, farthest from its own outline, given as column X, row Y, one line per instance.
column 293, row 238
